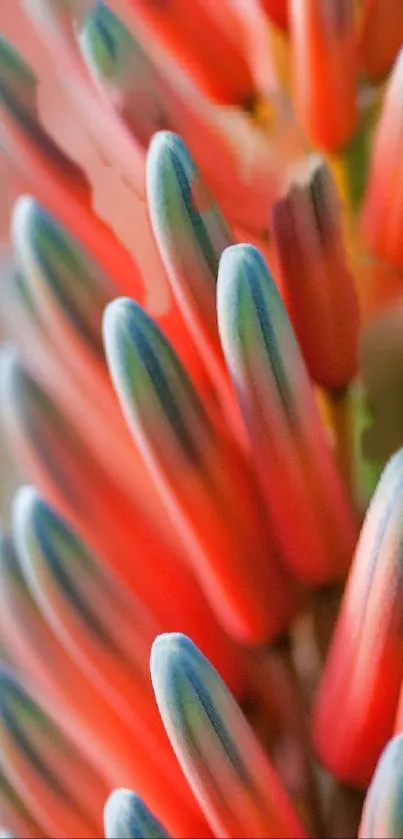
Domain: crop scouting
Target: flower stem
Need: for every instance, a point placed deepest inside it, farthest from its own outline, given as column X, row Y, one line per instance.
column 350, row 166
column 345, row 809
column 278, row 687
column 340, row 412
column 325, row 608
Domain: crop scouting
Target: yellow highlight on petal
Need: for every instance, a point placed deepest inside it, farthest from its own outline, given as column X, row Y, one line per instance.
column 280, row 47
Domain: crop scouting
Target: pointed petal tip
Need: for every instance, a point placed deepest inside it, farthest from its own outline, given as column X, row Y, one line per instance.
column 213, row 742
column 119, row 313
column 189, row 228
column 242, row 270
column 168, row 648
column 236, row 255
column 164, row 140
column 125, row 314
column 154, row 389
column 29, row 220
column 98, row 36
column 118, row 308
column 24, row 209
column 163, row 144
column 236, row 263
column 169, row 654
column 125, row 814
column 169, row 169
column 27, row 505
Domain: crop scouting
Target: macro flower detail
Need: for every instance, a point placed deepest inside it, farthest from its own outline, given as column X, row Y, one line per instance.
column 315, row 278
column 373, row 593
column 216, row 750
column 201, row 463
column 126, row 815
column 185, row 452
column 277, row 403
column 382, row 814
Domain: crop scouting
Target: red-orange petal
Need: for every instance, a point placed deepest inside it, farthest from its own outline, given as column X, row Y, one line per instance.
column 324, row 70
